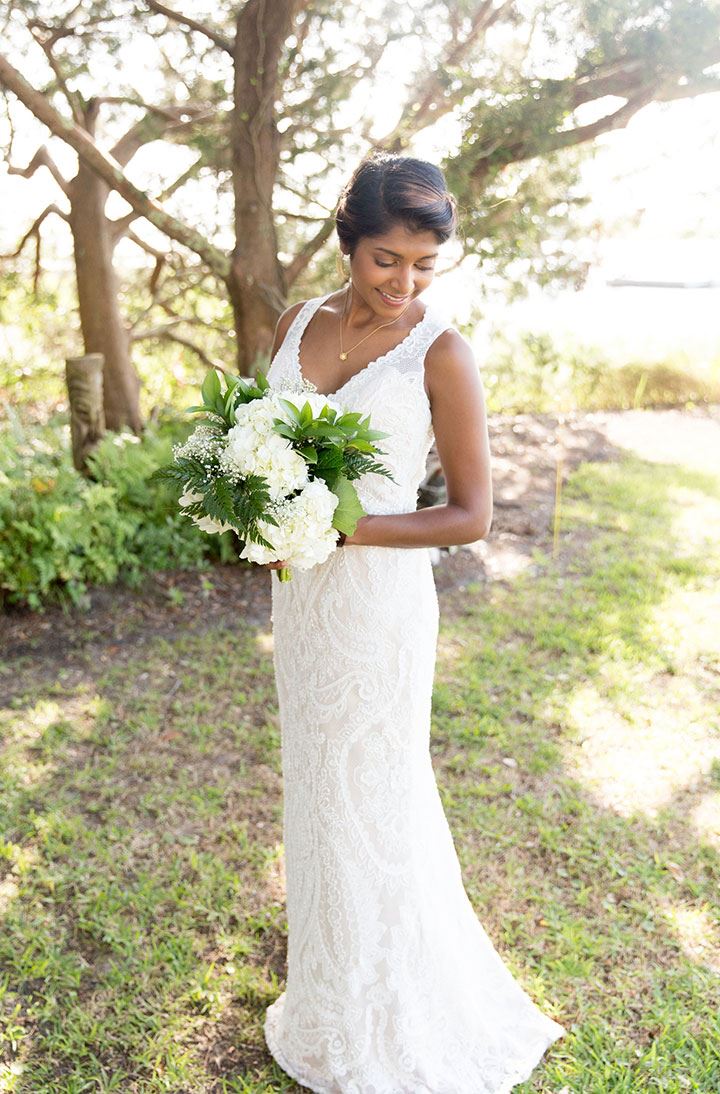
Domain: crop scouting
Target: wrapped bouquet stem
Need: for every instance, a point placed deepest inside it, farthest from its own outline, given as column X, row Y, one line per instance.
column 277, row 466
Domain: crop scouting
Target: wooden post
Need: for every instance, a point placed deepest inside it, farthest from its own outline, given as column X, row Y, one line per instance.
column 84, row 379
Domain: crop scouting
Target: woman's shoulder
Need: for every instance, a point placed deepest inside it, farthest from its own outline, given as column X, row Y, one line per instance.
column 285, row 318
column 450, row 349
column 451, row 370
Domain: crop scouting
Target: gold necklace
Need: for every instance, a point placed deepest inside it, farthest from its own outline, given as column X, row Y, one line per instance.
column 344, row 353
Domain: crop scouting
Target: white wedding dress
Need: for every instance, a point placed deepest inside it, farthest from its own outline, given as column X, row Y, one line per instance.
column 393, row 986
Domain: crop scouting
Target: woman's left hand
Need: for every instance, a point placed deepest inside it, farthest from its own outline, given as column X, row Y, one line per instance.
column 356, row 537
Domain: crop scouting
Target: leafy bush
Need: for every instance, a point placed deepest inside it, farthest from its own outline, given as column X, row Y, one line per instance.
column 61, row 532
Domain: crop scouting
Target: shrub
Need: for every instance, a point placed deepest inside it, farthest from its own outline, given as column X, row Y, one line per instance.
column 61, row 532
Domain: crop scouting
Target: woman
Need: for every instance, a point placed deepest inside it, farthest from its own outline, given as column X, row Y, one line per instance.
column 393, row 986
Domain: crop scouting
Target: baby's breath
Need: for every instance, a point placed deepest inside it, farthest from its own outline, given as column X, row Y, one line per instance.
column 205, row 445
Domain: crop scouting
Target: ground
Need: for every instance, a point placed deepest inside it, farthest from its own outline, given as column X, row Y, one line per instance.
column 575, row 739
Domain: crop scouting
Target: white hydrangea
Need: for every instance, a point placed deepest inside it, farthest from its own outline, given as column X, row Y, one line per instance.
column 305, row 536
column 205, row 524
column 254, row 448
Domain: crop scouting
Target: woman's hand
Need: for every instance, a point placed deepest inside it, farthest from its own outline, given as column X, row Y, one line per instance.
column 356, row 537
column 273, row 565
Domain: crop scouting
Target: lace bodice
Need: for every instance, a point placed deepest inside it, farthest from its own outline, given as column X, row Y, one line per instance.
column 392, row 390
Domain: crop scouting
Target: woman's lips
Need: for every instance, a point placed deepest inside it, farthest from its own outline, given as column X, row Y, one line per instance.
column 393, row 303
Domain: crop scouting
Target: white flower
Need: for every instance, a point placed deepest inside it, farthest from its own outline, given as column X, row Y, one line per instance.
column 205, row 524
column 305, row 536
column 189, row 497
column 204, row 444
column 213, row 527
column 253, row 447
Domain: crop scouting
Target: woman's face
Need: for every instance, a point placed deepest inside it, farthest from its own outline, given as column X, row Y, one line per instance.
column 389, row 270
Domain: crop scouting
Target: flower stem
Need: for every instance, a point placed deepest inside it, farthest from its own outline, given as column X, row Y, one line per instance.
column 284, row 573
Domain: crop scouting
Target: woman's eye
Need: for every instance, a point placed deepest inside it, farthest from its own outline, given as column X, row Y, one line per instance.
column 387, row 265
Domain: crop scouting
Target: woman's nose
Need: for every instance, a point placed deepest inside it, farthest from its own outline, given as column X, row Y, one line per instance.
column 404, row 282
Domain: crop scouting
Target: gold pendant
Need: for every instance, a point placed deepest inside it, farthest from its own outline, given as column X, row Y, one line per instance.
column 343, row 356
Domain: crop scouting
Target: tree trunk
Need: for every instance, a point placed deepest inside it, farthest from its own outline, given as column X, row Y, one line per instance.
column 100, row 318
column 256, row 281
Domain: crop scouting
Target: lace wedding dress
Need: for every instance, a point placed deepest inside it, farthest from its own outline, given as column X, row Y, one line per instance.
column 393, row 986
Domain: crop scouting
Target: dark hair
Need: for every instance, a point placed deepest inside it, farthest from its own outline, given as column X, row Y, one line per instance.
column 386, row 189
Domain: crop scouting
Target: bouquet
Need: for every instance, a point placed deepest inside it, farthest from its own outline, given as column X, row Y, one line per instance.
column 276, row 466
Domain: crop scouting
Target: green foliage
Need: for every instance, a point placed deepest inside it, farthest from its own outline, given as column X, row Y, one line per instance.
column 531, row 372
column 349, row 510
column 61, row 532
column 341, row 445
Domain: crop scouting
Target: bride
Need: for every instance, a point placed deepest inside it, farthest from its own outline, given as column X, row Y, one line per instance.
column 393, row 985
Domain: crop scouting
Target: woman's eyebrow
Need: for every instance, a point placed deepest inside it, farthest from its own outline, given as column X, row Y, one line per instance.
column 396, row 255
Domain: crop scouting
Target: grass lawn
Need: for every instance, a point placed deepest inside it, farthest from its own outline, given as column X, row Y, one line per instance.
column 576, row 743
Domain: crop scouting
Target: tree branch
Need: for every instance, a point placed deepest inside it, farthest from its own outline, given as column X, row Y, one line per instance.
column 34, row 230
column 166, row 333
column 702, row 86
column 527, row 147
column 156, row 122
column 119, row 226
column 430, row 100
column 567, row 138
column 418, row 112
column 74, row 98
column 111, row 171
column 42, row 158
column 305, row 255
column 192, row 24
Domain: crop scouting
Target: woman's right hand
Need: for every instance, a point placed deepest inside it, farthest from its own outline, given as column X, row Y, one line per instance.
column 273, row 565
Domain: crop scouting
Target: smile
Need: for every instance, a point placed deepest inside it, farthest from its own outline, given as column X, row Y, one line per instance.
column 393, row 301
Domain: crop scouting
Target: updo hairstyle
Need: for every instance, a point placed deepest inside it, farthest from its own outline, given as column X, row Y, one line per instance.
column 385, row 190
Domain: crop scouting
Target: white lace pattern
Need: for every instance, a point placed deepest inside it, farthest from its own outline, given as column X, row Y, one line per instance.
column 393, row 986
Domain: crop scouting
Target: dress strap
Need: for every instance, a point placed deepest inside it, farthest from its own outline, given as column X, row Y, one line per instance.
column 435, row 324
column 297, row 327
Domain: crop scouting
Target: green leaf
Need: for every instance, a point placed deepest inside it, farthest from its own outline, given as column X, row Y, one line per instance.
column 292, row 410
column 306, row 415
column 350, row 418
column 211, row 388
column 309, row 452
column 285, row 430
column 349, row 510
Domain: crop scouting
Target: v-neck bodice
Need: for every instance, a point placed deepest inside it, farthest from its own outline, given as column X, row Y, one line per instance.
column 391, row 389
column 377, row 360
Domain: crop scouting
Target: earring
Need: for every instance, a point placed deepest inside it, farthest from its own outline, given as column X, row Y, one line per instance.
column 340, row 266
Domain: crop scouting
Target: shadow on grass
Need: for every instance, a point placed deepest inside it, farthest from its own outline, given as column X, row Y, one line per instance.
column 142, row 900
